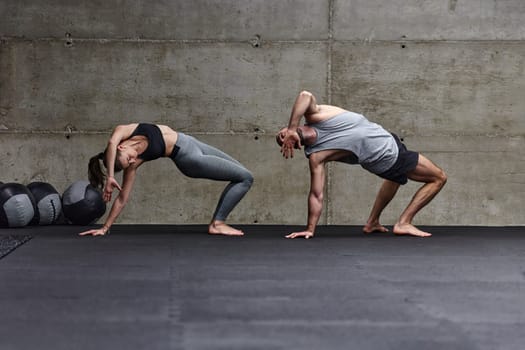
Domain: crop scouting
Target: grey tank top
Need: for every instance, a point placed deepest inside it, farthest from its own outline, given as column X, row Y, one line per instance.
column 375, row 148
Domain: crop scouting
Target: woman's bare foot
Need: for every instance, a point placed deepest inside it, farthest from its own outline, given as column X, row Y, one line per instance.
column 408, row 229
column 374, row 227
column 220, row 228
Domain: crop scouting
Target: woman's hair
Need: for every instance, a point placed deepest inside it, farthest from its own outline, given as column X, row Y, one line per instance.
column 96, row 175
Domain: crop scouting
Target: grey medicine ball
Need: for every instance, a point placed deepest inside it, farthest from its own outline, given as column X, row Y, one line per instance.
column 17, row 206
column 82, row 204
column 47, row 201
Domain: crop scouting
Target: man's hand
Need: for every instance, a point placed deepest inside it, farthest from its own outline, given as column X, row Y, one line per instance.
column 305, row 234
column 95, row 232
column 290, row 140
column 108, row 189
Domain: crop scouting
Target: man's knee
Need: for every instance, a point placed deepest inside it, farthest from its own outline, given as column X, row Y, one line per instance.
column 441, row 178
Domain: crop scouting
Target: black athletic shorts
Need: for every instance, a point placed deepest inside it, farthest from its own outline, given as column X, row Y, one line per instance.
column 406, row 162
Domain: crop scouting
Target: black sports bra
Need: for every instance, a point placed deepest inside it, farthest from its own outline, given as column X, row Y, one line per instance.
column 156, row 145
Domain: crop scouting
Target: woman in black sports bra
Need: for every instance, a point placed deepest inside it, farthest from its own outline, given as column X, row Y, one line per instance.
column 133, row 144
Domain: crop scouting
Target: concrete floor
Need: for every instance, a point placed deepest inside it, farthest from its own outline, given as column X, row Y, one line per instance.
column 174, row 287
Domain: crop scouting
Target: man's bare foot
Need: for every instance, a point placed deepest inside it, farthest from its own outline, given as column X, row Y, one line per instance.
column 220, row 228
column 408, row 229
column 369, row 228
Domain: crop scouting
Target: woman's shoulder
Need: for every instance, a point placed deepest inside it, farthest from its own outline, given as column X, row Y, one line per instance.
column 123, row 132
column 127, row 128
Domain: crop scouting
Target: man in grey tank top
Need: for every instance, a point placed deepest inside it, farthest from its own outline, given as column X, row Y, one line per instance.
column 334, row 134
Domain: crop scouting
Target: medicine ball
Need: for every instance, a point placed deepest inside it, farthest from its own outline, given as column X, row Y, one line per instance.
column 82, row 204
column 17, row 206
column 47, row 202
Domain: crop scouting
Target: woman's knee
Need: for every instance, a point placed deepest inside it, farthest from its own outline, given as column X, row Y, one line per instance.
column 248, row 179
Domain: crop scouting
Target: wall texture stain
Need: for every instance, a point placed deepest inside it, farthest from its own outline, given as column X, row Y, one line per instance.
column 446, row 75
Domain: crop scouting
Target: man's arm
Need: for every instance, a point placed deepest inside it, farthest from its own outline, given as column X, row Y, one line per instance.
column 305, row 103
column 315, row 198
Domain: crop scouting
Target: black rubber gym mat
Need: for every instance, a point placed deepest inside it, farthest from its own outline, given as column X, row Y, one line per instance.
column 176, row 288
column 11, row 242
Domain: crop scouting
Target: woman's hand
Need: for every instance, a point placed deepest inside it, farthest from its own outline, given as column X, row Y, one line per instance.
column 95, row 232
column 111, row 183
column 305, row 234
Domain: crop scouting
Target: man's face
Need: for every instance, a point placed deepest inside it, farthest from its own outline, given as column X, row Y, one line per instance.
column 280, row 136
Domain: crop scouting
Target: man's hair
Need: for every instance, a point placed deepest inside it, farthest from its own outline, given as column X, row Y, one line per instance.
column 277, row 138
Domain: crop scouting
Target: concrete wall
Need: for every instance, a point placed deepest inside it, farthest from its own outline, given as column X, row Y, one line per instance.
column 447, row 75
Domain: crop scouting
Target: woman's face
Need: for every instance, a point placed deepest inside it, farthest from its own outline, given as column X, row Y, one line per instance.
column 126, row 156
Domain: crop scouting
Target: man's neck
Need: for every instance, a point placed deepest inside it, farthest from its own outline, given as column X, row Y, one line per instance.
column 308, row 135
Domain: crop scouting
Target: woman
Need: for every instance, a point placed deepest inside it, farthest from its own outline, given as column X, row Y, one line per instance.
column 133, row 144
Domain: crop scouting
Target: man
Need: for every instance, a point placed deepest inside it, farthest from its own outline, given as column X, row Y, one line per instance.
column 334, row 134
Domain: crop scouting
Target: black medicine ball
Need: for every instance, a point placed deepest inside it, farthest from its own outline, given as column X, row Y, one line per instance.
column 17, row 206
column 82, row 203
column 47, row 201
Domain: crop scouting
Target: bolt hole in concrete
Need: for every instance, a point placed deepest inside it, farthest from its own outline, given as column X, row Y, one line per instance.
column 69, row 40
column 256, row 41
column 69, row 130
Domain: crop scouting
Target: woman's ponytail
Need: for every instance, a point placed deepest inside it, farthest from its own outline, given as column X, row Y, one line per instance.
column 96, row 175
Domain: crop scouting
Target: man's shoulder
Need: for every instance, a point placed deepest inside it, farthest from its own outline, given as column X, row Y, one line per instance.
column 323, row 113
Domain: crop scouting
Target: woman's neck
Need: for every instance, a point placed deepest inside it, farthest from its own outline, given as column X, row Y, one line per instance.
column 138, row 143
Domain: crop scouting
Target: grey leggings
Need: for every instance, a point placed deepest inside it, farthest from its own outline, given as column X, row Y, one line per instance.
column 199, row 160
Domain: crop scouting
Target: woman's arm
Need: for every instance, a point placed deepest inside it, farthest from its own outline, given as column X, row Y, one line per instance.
column 121, row 132
column 119, row 203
